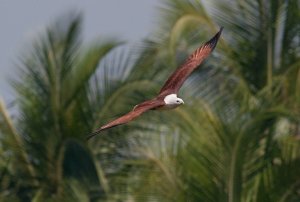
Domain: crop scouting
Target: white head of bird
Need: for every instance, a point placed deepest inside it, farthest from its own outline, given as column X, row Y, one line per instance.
column 172, row 101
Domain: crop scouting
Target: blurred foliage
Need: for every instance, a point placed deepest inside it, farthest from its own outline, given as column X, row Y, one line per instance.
column 236, row 139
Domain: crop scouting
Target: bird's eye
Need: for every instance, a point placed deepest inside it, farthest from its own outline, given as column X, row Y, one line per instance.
column 177, row 101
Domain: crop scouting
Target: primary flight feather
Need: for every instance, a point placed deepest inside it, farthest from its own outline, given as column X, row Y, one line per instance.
column 167, row 97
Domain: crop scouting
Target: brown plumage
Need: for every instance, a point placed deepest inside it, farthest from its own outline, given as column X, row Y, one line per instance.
column 167, row 97
column 176, row 80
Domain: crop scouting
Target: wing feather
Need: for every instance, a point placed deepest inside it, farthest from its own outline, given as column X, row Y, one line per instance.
column 137, row 111
column 176, row 80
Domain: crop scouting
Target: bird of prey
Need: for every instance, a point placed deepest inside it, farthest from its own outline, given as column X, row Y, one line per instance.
column 167, row 97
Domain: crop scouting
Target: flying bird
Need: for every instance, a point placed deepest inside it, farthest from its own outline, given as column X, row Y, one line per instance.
column 167, row 97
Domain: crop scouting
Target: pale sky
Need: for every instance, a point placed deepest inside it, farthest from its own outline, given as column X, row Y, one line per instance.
column 21, row 20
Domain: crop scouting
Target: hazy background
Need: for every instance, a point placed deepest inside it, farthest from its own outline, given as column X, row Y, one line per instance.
column 21, row 21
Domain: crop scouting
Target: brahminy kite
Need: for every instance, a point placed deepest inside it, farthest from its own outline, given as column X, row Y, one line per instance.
column 167, row 97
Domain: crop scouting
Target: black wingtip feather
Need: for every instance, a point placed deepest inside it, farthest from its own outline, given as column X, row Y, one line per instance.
column 89, row 136
column 213, row 41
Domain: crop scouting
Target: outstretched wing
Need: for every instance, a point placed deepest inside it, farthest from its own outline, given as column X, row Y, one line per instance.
column 176, row 80
column 137, row 111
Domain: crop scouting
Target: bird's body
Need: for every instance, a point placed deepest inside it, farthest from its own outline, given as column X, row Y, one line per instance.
column 171, row 102
column 167, row 97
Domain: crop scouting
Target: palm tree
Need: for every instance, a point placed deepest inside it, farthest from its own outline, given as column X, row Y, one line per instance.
column 55, row 97
column 236, row 139
column 63, row 90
